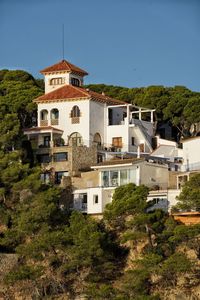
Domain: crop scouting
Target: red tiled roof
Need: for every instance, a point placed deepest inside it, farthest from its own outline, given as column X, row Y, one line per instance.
column 69, row 92
column 42, row 128
column 64, row 65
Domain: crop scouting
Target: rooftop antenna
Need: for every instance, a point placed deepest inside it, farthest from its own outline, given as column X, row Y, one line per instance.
column 63, row 41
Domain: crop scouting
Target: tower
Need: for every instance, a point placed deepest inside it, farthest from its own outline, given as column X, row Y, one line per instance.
column 62, row 73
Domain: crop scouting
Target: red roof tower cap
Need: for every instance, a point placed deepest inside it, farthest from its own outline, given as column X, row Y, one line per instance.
column 64, row 65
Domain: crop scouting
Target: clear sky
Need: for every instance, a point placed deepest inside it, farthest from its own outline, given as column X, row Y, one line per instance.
column 129, row 43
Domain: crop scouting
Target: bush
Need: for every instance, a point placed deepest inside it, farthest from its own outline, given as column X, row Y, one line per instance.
column 22, row 273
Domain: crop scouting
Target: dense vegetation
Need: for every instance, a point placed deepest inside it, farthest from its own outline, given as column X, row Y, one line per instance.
column 129, row 254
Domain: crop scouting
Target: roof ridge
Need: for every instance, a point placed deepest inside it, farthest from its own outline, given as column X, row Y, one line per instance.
column 64, row 65
column 83, row 90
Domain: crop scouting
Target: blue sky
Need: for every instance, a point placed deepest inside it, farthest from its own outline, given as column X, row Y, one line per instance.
column 129, row 43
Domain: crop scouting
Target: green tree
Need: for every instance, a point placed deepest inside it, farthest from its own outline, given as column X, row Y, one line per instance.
column 189, row 198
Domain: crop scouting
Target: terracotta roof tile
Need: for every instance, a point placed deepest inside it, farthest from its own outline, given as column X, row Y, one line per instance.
column 69, row 92
column 36, row 129
column 64, row 65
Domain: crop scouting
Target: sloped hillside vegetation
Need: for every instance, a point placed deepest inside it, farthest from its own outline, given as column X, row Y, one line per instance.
column 50, row 253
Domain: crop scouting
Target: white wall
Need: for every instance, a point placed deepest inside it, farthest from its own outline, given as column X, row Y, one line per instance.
column 48, row 77
column 154, row 174
column 118, row 131
column 95, row 208
column 65, row 120
column 136, row 132
column 191, row 154
column 97, row 119
column 165, row 142
column 67, row 80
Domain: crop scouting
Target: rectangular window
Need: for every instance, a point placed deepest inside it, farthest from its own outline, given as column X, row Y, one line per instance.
column 45, row 177
column 132, row 141
column 141, row 147
column 62, row 156
column 46, row 141
column 124, row 174
column 117, row 142
column 95, row 199
column 132, row 178
column 114, row 180
column 105, row 178
column 44, row 158
column 59, row 175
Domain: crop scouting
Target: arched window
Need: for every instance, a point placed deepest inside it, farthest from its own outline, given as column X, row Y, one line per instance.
column 75, row 139
column 54, row 116
column 57, row 81
column 75, row 114
column 75, row 81
column 97, row 139
column 44, row 117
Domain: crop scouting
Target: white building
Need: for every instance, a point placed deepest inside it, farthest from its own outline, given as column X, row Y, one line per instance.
column 191, row 154
column 93, row 198
column 84, row 117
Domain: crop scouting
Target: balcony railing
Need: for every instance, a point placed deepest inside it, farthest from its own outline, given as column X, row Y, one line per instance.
column 54, row 122
column 43, row 123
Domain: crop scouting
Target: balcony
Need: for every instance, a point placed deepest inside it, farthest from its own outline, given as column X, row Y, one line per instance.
column 54, row 122
column 43, row 123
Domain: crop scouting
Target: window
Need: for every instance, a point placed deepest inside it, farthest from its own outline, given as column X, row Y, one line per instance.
column 44, row 158
column 95, row 199
column 44, row 118
column 58, row 177
column 141, row 147
column 105, row 178
column 114, row 181
column 45, row 177
column 62, row 156
column 75, row 139
column 116, row 178
column 54, row 116
column 57, row 81
column 75, row 82
column 117, row 142
column 44, row 114
column 75, row 114
column 46, row 141
column 132, row 141
column 124, row 177
column 97, row 139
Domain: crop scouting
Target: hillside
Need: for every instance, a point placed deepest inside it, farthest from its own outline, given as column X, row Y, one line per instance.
column 51, row 253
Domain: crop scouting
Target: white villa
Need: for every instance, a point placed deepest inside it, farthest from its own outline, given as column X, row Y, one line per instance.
column 70, row 116
column 79, row 130
column 97, row 190
column 81, row 116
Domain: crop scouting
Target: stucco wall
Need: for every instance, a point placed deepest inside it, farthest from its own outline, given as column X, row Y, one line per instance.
column 67, row 78
column 97, row 120
column 191, row 154
column 154, row 174
column 118, row 131
column 65, row 123
column 86, row 180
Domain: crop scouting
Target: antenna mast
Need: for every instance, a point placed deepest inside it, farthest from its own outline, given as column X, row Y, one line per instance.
column 63, row 41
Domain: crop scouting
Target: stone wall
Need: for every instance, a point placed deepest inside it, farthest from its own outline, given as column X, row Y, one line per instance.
column 86, row 180
column 83, row 158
